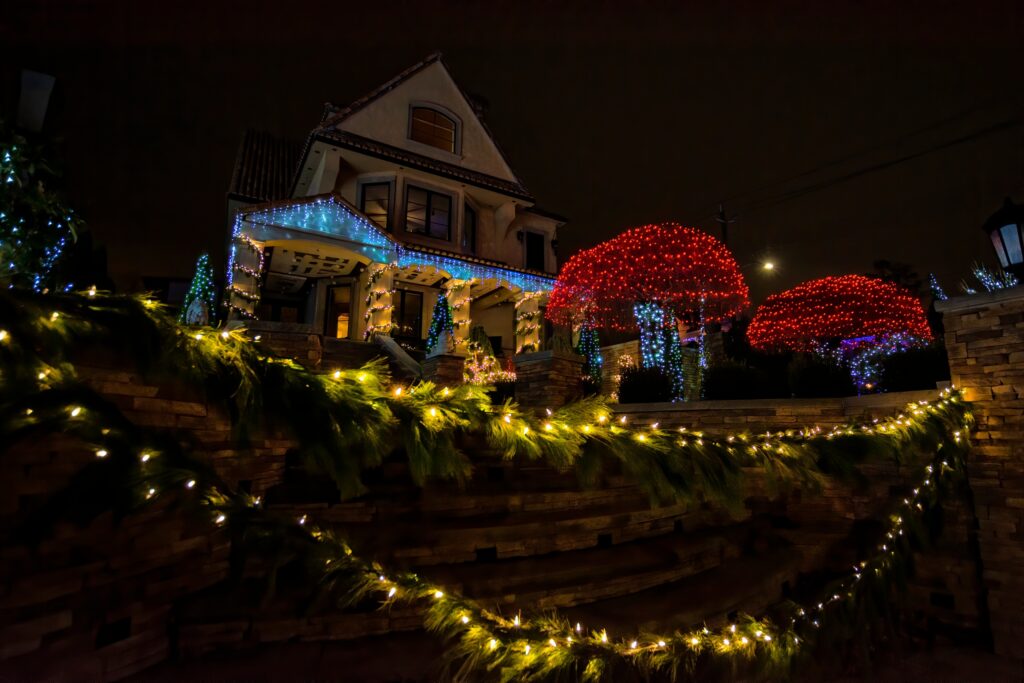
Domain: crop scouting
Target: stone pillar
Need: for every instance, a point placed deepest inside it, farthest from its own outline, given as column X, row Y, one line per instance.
column 380, row 286
column 548, row 379
column 528, row 321
column 444, row 369
column 985, row 342
column 459, row 293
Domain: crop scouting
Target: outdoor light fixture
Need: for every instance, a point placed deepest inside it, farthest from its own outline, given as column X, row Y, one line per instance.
column 1004, row 228
column 768, row 265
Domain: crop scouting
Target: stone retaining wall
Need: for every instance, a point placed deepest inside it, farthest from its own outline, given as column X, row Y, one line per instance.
column 107, row 601
column 94, row 602
column 771, row 414
column 985, row 343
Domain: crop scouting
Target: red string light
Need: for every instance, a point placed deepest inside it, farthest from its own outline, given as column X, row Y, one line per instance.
column 678, row 267
column 836, row 308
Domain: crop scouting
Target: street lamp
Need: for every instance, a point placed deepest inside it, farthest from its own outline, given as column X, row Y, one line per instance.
column 1004, row 228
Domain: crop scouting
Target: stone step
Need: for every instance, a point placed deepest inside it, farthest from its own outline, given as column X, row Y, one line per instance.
column 746, row 584
column 579, row 576
column 426, row 541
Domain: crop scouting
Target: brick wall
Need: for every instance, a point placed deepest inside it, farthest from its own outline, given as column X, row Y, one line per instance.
column 985, row 342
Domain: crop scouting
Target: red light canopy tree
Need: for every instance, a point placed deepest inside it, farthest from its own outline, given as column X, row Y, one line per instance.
column 679, row 268
column 854, row 318
column 646, row 278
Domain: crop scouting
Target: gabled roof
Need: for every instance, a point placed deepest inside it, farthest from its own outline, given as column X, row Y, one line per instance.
column 345, row 112
column 264, row 167
column 413, row 160
column 333, row 116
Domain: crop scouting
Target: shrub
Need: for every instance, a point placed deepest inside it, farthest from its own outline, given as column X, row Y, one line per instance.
column 814, row 377
column 590, row 386
column 644, row 385
column 502, row 391
column 731, row 380
column 918, row 368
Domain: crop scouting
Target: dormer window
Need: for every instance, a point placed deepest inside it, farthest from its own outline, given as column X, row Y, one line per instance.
column 433, row 128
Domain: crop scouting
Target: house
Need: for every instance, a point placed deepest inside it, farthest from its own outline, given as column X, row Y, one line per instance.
column 400, row 196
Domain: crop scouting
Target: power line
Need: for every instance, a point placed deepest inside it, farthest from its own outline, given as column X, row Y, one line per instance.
column 710, row 212
column 795, row 194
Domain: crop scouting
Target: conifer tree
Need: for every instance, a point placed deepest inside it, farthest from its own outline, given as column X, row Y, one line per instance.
column 36, row 225
column 442, row 327
column 198, row 306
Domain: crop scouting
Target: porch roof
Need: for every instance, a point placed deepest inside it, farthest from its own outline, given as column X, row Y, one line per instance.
column 332, row 216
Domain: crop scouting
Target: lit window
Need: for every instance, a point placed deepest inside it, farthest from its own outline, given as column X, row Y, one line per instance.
column 375, row 202
column 432, row 128
column 428, row 213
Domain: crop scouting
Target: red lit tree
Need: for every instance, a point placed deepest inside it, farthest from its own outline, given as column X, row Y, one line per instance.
column 850, row 317
column 646, row 278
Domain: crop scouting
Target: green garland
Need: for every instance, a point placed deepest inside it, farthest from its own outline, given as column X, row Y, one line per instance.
column 40, row 394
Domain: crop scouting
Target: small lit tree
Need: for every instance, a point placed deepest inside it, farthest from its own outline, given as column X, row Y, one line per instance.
column 199, row 308
column 589, row 347
column 441, row 335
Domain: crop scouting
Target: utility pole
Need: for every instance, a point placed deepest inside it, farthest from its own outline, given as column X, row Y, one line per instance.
column 724, row 222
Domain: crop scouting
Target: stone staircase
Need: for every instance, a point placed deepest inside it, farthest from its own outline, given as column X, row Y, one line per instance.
column 522, row 536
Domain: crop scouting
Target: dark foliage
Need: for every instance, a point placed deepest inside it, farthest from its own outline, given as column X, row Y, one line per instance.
column 733, row 380
column 917, row 368
column 644, row 385
column 502, row 391
column 590, row 386
column 813, row 377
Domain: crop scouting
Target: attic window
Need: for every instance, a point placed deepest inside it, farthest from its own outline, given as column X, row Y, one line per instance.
column 433, row 128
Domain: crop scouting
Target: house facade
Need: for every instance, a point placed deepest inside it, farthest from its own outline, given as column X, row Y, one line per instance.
column 392, row 200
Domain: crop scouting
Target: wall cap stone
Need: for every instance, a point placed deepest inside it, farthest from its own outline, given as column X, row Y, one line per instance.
column 537, row 356
column 893, row 400
column 969, row 302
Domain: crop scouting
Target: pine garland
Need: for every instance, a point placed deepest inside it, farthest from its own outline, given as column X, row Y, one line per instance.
column 346, row 421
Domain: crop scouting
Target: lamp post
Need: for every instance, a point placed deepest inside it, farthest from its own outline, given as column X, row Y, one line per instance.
column 1004, row 228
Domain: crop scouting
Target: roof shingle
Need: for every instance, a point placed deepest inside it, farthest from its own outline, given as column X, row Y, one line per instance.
column 264, row 167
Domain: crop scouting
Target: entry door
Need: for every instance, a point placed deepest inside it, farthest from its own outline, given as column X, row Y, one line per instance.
column 339, row 311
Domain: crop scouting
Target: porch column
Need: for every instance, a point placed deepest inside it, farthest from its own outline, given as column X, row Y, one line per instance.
column 528, row 322
column 380, row 286
column 459, row 293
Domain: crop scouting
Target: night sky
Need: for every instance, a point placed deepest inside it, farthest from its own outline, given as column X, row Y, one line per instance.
column 839, row 133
